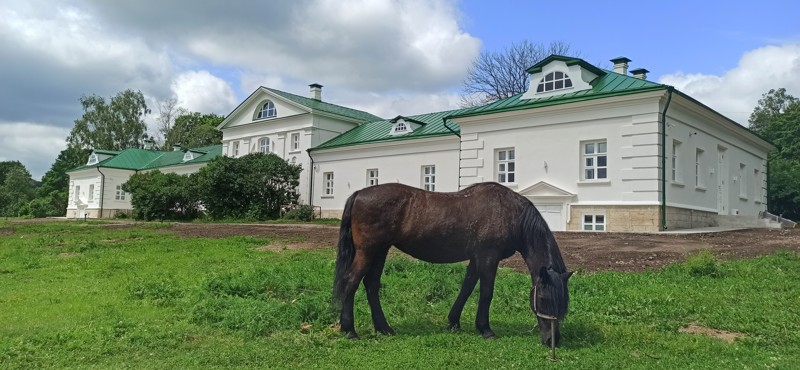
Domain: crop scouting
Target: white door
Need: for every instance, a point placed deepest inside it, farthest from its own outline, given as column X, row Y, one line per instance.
column 552, row 214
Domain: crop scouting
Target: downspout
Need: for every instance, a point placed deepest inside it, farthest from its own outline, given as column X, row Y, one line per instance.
column 766, row 191
column 664, row 160
column 102, row 191
column 444, row 121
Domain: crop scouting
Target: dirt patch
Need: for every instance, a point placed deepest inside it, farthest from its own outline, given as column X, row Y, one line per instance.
column 581, row 250
column 727, row 336
column 287, row 247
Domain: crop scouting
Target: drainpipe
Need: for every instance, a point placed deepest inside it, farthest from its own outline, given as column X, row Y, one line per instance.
column 102, row 191
column 766, row 191
column 664, row 160
column 311, row 181
column 444, row 120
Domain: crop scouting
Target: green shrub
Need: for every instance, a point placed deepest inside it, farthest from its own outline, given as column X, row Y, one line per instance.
column 703, row 264
column 162, row 196
column 303, row 212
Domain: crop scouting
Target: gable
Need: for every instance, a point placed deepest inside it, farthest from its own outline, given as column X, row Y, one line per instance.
column 247, row 112
column 573, row 74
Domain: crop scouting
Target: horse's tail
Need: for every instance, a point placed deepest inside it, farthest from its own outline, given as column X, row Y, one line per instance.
column 346, row 252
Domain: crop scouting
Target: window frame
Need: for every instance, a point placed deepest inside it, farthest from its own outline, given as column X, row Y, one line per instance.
column 593, row 224
column 595, row 157
column 119, row 194
column 327, row 184
column 505, row 165
column 565, row 81
column 372, row 176
column 699, row 182
column 429, row 178
column 76, row 193
column 295, row 138
column 235, row 149
column 90, row 195
column 267, row 110
column 675, row 159
column 93, row 159
column 264, row 145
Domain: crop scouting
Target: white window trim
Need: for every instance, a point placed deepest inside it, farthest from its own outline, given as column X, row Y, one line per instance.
column 76, row 193
column 267, row 110
column 401, row 127
column 93, row 159
column 188, row 156
column 90, row 196
column 372, row 176
column 327, row 185
column 120, row 194
column 564, row 79
column 596, row 167
column 295, row 137
column 506, row 162
column 699, row 182
column 264, row 145
column 429, row 179
column 593, row 224
column 234, row 149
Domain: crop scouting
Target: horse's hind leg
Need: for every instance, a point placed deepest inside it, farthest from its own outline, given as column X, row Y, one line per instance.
column 372, row 284
column 467, row 287
column 359, row 268
column 487, row 271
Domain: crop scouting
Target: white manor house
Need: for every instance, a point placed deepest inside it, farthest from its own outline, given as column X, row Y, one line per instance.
column 593, row 149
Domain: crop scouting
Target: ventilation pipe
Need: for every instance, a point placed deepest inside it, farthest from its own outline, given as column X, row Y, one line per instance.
column 316, row 91
column 621, row 65
column 639, row 73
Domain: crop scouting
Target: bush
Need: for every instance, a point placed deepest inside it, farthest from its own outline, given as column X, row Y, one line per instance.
column 703, row 264
column 303, row 212
column 160, row 196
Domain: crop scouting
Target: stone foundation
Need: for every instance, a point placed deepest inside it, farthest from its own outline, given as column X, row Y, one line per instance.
column 331, row 213
column 618, row 218
column 682, row 218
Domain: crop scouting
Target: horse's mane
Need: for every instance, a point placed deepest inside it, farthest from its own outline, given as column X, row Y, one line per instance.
column 540, row 241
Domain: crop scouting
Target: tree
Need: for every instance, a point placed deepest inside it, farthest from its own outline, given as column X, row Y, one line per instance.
column 777, row 119
column 16, row 190
column 52, row 195
column 254, row 186
column 194, row 130
column 496, row 75
column 168, row 110
column 114, row 125
column 771, row 105
column 160, row 196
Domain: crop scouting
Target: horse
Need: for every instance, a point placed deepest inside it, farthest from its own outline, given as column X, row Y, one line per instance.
column 483, row 223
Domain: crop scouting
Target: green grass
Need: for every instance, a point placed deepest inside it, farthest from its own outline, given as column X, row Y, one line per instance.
column 91, row 295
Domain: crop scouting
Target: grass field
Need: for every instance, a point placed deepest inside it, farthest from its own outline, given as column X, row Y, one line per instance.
column 89, row 295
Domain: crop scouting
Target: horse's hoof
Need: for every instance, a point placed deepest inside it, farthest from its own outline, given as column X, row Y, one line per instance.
column 352, row 335
column 455, row 326
column 488, row 335
column 388, row 331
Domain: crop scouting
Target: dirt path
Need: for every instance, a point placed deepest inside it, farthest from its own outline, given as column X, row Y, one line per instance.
column 589, row 251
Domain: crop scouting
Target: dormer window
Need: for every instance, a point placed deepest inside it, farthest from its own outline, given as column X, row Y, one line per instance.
column 92, row 159
column 401, row 127
column 554, row 81
column 188, row 156
column 267, row 110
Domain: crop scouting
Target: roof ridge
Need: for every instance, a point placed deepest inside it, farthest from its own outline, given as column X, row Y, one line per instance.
column 314, row 101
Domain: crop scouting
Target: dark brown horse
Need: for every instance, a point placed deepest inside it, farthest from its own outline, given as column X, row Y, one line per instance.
column 483, row 223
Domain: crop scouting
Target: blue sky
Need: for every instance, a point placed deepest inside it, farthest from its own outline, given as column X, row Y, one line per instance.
column 386, row 57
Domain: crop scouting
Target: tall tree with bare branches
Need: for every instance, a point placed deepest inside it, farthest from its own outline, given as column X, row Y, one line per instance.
column 496, row 75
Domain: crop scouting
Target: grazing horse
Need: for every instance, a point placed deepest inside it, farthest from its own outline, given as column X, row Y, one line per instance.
column 483, row 223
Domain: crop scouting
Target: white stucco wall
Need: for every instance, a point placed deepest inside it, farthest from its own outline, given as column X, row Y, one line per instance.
column 105, row 189
column 399, row 161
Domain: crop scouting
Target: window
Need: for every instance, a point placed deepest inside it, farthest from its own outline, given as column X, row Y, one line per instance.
column 267, row 110
column 698, row 176
column 91, row 193
column 372, row 177
column 188, row 156
column 401, row 127
column 328, row 176
column 263, row 145
column 505, row 166
column 742, row 181
column 92, row 159
column 120, row 193
column 77, row 194
column 295, row 141
column 554, row 81
column 595, row 161
column 235, row 149
column 429, row 178
column 676, row 148
column 594, row 222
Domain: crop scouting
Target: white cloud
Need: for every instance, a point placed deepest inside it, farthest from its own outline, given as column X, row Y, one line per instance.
column 200, row 91
column 736, row 93
column 35, row 145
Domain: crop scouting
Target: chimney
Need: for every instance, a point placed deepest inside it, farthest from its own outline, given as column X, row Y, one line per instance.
column 148, row 144
column 639, row 73
column 176, row 147
column 316, row 91
column 621, row 65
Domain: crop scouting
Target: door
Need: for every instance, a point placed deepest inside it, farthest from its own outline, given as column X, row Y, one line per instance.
column 552, row 214
column 722, row 182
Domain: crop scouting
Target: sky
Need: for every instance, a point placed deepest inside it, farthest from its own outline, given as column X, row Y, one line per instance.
column 385, row 57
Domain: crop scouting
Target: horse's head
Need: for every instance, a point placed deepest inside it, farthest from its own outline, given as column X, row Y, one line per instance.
column 549, row 301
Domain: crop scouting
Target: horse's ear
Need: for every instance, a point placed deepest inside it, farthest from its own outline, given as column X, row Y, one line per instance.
column 567, row 275
column 544, row 277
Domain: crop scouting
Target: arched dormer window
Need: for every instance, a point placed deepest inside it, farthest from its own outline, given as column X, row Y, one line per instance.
column 92, row 159
column 267, row 110
column 554, row 81
column 400, row 127
column 188, row 156
column 263, row 145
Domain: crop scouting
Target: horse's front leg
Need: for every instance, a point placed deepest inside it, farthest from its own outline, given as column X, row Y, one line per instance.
column 372, row 284
column 487, row 271
column 467, row 287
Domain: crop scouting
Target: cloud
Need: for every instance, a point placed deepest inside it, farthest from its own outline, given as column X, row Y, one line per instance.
column 735, row 93
column 35, row 145
column 200, row 91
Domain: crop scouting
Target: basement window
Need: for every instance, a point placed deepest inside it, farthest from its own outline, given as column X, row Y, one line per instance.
column 554, row 81
column 594, row 222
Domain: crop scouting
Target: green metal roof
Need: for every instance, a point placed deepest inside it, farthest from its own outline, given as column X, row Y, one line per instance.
column 432, row 125
column 327, row 107
column 142, row 159
column 610, row 84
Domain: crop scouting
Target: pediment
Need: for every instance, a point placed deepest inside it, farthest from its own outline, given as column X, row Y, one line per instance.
column 247, row 111
column 543, row 189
